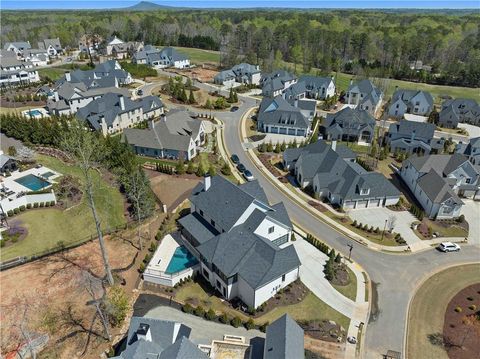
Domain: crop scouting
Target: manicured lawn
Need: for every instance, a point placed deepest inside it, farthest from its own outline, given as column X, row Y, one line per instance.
column 5, row 110
column 427, row 309
column 49, row 226
column 54, row 73
column 444, row 231
column 199, row 55
column 349, row 290
column 311, row 308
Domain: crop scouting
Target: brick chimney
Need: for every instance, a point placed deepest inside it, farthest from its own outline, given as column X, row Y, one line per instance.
column 122, row 102
column 68, row 77
column 207, row 181
column 334, row 145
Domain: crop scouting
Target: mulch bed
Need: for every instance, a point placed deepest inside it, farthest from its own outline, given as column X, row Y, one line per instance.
column 461, row 331
column 318, row 206
column 265, row 159
column 292, row 294
column 341, row 275
column 14, row 234
column 324, row 330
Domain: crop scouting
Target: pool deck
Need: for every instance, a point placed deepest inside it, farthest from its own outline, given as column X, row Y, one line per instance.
column 163, row 254
column 11, row 186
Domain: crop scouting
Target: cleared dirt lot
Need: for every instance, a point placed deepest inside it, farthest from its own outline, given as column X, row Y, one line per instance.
column 427, row 310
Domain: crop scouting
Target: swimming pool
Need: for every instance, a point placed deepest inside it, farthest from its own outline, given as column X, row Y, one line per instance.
column 181, row 259
column 34, row 113
column 32, row 182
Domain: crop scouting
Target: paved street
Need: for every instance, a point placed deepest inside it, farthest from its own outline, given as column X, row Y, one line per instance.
column 396, row 276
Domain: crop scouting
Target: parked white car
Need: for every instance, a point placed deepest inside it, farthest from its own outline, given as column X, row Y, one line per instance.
column 448, row 247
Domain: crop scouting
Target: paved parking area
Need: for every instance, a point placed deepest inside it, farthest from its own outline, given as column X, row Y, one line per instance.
column 376, row 217
column 471, row 210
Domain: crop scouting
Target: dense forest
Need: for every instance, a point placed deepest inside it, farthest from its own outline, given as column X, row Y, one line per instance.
column 371, row 43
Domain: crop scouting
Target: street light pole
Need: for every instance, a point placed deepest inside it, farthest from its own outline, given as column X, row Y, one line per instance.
column 384, row 227
column 350, row 251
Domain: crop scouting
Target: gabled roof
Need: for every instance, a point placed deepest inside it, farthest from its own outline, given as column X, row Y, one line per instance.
column 368, row 89
column 183, row 349
column 406, row 96
column 55, row 43
column 443, row 164
column 436, row 188
column 284, row 340
column 350, row 118
column 225, row 75
column 278, row 111
column 276, row 80
column 407, row 128
column 172, row 54
column 255, row 259
column 315, row 83
column 18, row 44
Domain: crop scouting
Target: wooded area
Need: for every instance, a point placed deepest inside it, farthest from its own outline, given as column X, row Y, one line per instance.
column 367, row 43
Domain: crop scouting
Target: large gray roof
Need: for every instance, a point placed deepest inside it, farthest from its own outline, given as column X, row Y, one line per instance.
column 407, row 95
column 315, row 83
column 443, row 164
column 368, row 89
column 406, row 128
column 172, row 54
column 18, row 44
column 278, row 111
column 284, row 340
column 198, row 227
column 436, row 188
column 255, row 259
column 349, row 118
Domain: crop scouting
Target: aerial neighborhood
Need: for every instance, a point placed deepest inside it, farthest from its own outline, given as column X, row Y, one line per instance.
column 182, row 183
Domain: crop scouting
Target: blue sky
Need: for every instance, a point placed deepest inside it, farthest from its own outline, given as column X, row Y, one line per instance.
column 366, row 4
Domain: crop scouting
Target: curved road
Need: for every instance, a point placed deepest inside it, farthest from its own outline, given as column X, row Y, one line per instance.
column 395, row 275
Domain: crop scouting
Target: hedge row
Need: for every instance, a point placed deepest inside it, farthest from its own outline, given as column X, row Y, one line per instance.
column 22, row 208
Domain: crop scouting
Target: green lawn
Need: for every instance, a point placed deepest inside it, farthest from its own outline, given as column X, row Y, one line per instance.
column 349, row 290
column 311, row 308
column 200, row 55
column 48, row 226
column 54, row 73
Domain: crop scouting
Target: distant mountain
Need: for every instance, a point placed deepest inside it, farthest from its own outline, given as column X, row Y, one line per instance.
column 147, row 5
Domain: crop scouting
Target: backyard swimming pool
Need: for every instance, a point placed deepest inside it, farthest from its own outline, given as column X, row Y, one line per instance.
column 34, row 113
column 32, row 182
column 181, row 259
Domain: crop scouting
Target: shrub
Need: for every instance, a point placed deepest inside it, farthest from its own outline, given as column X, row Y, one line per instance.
column 29, row 205
column 359, row 225
column 236, row 322
column 377, row 230
column 251, row 310
column 470, row 299
column 263, row 327
column 223, row 318
column 472, row 307
column 199, row 311
column 141, row 268
column 47, row 204
column 52, row 203
column 365, row 227
column 458, row 309
column 42, row 204
column 461, row 219
column 117, row 305
column 16, row 211
column 35, row 205
column 187, row 308
column 153, row 247
column 2, row 243
column 292, row 238
column 22, row 208
column 210, row 314
column 249, row 324
column 338, row 258
column 10, row 213
column 354, row 223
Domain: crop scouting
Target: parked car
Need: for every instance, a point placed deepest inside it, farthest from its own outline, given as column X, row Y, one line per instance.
column 241, row 167
column 248, row 175
column 235, row 159
column 68, row 59
column 234, row 109
column 352, row 340
column 448, row 247
column 140, row 92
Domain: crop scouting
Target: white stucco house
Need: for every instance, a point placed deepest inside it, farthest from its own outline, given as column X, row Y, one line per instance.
column 14, row 72
column 410, row 101
column 241, row 241
column 364, row 95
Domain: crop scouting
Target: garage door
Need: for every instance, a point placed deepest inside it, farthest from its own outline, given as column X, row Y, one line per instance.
column 291, row 131
column 349, row 205
column 375, row 203
column 283, row 131
column 274, row 129
column 362, row 204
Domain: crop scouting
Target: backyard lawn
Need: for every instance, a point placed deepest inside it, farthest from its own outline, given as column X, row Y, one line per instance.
column 311, row 308
column 48, row 226
column 54, row 73
column 200, row 55
column 427, row 309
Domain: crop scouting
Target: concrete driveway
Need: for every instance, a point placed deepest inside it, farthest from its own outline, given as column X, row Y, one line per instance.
column 376, row 217
column 473, row 131
column 471, row 211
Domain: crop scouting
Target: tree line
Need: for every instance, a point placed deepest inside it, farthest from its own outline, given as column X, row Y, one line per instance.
column 367, row 43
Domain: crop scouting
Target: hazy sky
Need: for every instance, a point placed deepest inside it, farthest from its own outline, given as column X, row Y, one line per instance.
column 105, row 4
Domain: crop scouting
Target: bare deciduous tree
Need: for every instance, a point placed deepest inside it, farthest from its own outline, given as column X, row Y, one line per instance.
column 83, row 146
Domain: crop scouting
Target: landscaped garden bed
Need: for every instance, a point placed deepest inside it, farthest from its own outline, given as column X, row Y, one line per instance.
column 327, row 330
column 461, row 330
column 266, row 161
column 428, row 229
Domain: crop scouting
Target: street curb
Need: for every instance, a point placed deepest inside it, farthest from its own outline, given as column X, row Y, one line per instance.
column 417, row 287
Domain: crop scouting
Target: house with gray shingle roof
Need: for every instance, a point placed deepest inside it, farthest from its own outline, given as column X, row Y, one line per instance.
column 14, row 72
column 18, row 47
column 333, row 174
column 242, row 242
column 318, row 87
column 7, row 163
column 352, row 125
column 168, row 57
column 113, row 113
column 410, row 101
column 37, row 57
column 175, row 135
column 243, row 73
column 275, row 83
column 277, row 115
column 284, row 340
column 413, row 137
column 150, row 338
column 458, row 111
column 364, row 95
column 438, row 182
column 471, row 150
column 51, row 46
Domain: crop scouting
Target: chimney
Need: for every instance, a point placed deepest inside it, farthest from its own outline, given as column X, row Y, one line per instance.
column 55, row 95
column 334, row 145
column 122, row 102
column 296, row 102
column 143, row 332
column 208, row 181
column 67, row 76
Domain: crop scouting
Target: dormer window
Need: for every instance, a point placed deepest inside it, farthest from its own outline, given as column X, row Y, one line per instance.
column 271, row 230
column 364, row 191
